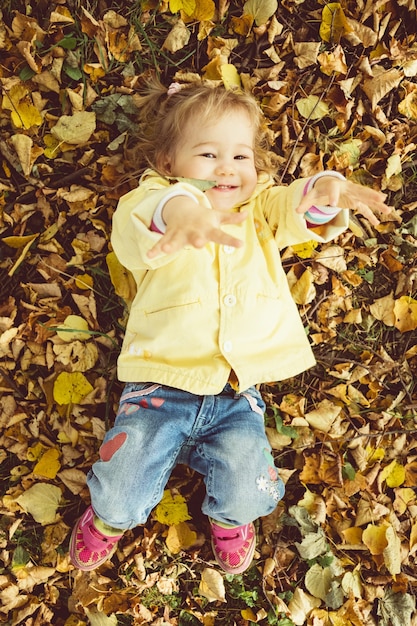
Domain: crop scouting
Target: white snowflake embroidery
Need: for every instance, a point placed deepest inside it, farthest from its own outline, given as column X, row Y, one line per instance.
column 263, row 483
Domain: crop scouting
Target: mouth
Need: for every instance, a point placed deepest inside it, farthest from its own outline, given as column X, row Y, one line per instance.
column 225, row 187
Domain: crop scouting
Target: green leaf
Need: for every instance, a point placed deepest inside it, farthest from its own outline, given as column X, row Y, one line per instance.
column 68, row 42
column 288, row 431
column 202, row 185
column 72, row 72
column 348, row 471
column 21, row 557
column 26, row 73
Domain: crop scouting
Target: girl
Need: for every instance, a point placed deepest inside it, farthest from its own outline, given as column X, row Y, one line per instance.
column 212, row 317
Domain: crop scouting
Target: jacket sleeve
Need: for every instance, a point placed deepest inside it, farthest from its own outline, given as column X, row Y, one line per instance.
column 131, row 236
column 289, row 227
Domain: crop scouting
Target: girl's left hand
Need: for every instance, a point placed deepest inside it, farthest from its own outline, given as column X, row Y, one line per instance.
column 331, row 191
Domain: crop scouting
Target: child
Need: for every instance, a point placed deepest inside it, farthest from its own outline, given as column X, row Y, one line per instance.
column 212, row 318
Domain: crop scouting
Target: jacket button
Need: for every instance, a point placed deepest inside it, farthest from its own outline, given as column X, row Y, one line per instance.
column 229, row 249
column 229, row 300
column 227, row 346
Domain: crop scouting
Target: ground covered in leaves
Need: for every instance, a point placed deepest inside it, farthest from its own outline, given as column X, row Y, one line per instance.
column 338, row 86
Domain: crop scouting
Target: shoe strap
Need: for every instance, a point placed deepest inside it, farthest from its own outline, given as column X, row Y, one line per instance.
column 229, row 539
column 95, row 540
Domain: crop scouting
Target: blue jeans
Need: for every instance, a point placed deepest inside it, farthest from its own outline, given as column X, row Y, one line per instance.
column 222, row 437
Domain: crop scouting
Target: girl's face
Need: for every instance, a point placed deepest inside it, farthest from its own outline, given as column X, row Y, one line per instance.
column 220, row 151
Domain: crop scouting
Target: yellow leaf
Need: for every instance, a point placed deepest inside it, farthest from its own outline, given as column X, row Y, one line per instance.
column 392, row 553
column 212, row 585
column 172, row 509
column 303, row 291
column 374, row 537
column 48, row 465
column 374, row 454
column 242, row 25
column 122, row 280
column 261, row 10
column 312, row 108
column 52, row 146
column 408, row 106
column 403, row 497
column 249, row 615
column 180, row 537
column 84, row 281
column 12, row 98
column 75, row 129
column 333, row 23
column 334, row 61
column 405, row 311
column 305, row 250
column 73, row 328
column 35, row 452
column 204, row 11
column 230, row 76
column 393, row 474
column 187, row 6
column 353, row 535
column 26, row 115
column 71, row 388
column 41, row 501
column 19, row 242
column 95, row 71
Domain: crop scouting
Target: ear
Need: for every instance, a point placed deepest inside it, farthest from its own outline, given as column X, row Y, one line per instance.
column 164, row 163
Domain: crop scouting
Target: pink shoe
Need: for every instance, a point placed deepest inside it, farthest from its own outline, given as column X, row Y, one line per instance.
column 89, row 547
column 233, row 547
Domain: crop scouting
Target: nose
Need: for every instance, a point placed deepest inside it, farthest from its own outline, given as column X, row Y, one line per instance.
column 225, row 167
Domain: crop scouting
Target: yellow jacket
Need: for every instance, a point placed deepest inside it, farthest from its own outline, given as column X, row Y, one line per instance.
column 200, row 313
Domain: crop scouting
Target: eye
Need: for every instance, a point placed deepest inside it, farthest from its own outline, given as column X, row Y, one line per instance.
column 208, row 155
column 241, row 157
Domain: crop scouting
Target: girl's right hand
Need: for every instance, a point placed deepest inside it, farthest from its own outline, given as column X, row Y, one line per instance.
column 191, row 224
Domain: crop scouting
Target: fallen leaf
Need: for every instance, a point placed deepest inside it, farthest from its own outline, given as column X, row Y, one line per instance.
column 333, row 23
column 312, row 107
column 172, row 509
column 48, row 465
column 41, row 501
column 71, row 387
column 180, row 537
column 301, row 605
column 260, row 10
column 73, row 328
column 212, row 585
column 178, row 37
column 405, row 311
column 75, row 129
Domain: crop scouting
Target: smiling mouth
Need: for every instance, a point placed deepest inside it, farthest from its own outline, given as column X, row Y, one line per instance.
column 225, row 187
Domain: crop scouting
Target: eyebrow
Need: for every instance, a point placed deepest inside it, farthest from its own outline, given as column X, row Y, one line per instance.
column 213, row 143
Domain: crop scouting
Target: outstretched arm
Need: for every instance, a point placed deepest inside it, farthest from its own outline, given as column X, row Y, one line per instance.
column 331, row 191
column 189, row 223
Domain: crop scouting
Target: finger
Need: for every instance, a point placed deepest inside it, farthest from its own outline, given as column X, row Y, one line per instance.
column 367, row 212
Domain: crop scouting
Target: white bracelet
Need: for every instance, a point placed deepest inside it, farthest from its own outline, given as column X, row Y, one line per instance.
column 314, row 179
column 157, row 218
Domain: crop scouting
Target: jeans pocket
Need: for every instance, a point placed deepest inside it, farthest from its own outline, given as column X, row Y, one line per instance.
column 254, row 400
column 135, row 390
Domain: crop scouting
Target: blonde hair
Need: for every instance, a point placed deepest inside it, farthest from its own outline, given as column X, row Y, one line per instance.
column 163, row 116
